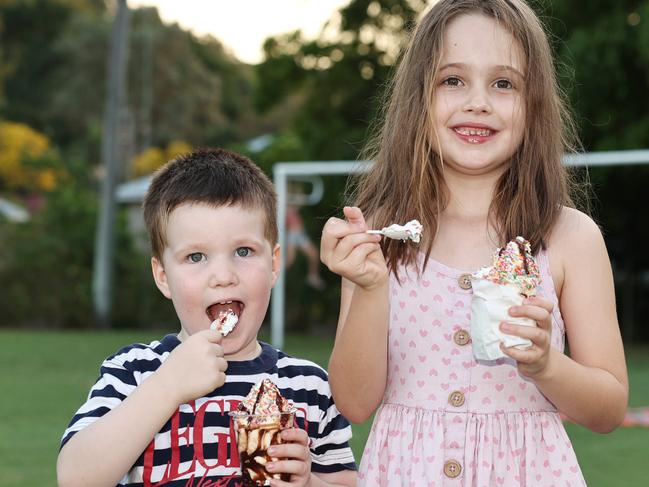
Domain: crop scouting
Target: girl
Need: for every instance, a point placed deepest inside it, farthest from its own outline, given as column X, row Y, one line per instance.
column 471, row 145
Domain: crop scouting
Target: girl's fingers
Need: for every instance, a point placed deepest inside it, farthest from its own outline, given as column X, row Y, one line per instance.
column 537, row 335
column 355, row 218
column 521, row 356
column 540, row 302
column 336, row 228
column 337, row 232
column 533, row 312
column 356, row 260
column 347, row 245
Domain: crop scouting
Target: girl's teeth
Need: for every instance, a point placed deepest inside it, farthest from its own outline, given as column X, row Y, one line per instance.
column 479, row 132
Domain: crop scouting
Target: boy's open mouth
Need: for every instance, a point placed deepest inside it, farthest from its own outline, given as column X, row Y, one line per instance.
column 221, row 308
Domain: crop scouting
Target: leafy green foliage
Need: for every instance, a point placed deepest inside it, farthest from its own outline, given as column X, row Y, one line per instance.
column 337, row 80
column 47, row 263
column 607, row 45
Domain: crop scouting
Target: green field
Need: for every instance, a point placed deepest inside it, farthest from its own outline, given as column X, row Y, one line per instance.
column 44, row 377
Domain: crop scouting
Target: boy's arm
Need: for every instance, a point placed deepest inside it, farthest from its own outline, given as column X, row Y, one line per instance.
column 104, row 451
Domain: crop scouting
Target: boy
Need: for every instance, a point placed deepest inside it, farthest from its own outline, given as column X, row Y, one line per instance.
column 158, row 414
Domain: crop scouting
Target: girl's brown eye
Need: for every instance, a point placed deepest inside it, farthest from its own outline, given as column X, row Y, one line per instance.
column 452, row 81
column 504, row 84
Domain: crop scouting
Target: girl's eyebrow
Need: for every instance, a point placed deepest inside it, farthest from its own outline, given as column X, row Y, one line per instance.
column 500, row 67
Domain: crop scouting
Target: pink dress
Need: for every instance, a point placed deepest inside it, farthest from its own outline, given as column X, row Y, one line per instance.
column 448, row 420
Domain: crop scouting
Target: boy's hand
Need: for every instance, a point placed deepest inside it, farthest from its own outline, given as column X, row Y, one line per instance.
column 533, row 362
column 195, row 368
column 297, row 458
column 348, row 251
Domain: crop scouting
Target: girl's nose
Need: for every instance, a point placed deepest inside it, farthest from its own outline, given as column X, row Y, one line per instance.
column 477, row 102
column 222, row 274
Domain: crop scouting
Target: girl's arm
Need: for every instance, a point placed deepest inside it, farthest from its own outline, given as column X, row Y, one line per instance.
column 590, row 386
column 358, row 364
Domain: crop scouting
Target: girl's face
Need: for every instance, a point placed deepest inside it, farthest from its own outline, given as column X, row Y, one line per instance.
column 479, row 110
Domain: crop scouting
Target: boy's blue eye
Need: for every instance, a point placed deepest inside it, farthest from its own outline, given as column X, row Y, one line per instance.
column 244, row 251
column 196, row 257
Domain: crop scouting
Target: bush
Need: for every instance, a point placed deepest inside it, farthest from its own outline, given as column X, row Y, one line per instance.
column 46, row 269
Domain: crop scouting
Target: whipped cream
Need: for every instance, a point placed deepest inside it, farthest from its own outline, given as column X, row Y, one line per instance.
column 225, row 322
column 411, row 230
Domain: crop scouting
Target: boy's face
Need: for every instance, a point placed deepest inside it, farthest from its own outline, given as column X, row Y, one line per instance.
column 217, row 258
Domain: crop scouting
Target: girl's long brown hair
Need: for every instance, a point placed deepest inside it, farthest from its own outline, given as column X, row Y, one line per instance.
column 406, row 180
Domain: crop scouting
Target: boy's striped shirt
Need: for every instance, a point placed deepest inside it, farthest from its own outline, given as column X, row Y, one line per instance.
column 197, row 444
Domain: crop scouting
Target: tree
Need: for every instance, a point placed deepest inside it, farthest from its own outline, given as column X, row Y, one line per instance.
column 27, row 162
column 339, row 80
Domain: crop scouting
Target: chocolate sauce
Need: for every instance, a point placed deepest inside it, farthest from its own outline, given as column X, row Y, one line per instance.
column 248, row 462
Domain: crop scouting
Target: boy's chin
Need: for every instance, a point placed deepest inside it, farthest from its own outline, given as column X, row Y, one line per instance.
column 237, row 351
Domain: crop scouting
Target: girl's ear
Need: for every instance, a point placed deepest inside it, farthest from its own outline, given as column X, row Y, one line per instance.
column 160, row 277
column 276, row 263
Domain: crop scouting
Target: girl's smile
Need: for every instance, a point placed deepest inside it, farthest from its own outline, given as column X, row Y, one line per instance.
column 475, row 133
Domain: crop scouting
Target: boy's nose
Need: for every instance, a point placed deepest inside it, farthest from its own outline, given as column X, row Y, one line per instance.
column 222, row 274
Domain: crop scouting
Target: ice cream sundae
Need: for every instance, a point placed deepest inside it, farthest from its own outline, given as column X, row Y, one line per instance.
column 512, row 276
column 258, row 421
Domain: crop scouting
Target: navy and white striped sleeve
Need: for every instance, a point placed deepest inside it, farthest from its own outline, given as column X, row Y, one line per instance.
column 330, row 451
column 330, row 432
column 114, row 384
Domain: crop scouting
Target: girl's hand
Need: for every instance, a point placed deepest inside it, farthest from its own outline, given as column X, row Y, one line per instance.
column 533, row 362
column 348, row 251
column 297, row 458
column 194, row 368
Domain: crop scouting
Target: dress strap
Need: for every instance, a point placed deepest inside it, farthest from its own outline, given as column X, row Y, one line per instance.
column 547, row 288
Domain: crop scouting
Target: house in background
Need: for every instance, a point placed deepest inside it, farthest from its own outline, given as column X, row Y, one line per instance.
column 13, row 212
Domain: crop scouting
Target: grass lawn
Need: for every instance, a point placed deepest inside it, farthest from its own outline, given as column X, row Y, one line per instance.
column 45, row 376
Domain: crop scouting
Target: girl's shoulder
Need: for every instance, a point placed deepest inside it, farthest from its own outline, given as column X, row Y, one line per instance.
column 573, row 229
column 575, row 241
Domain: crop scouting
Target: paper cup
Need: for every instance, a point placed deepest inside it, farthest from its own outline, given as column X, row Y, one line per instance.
column 255, row 433
column 489, row 307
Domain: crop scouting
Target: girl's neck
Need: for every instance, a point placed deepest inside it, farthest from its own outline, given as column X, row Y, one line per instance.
column 469, row 196
column 466, row 238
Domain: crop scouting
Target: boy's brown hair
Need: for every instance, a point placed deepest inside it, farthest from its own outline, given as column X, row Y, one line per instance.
column 407, row 179
column 215, row 177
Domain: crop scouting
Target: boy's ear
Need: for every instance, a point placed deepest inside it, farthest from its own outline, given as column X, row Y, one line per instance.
column 276, row 263
column 160, row 277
